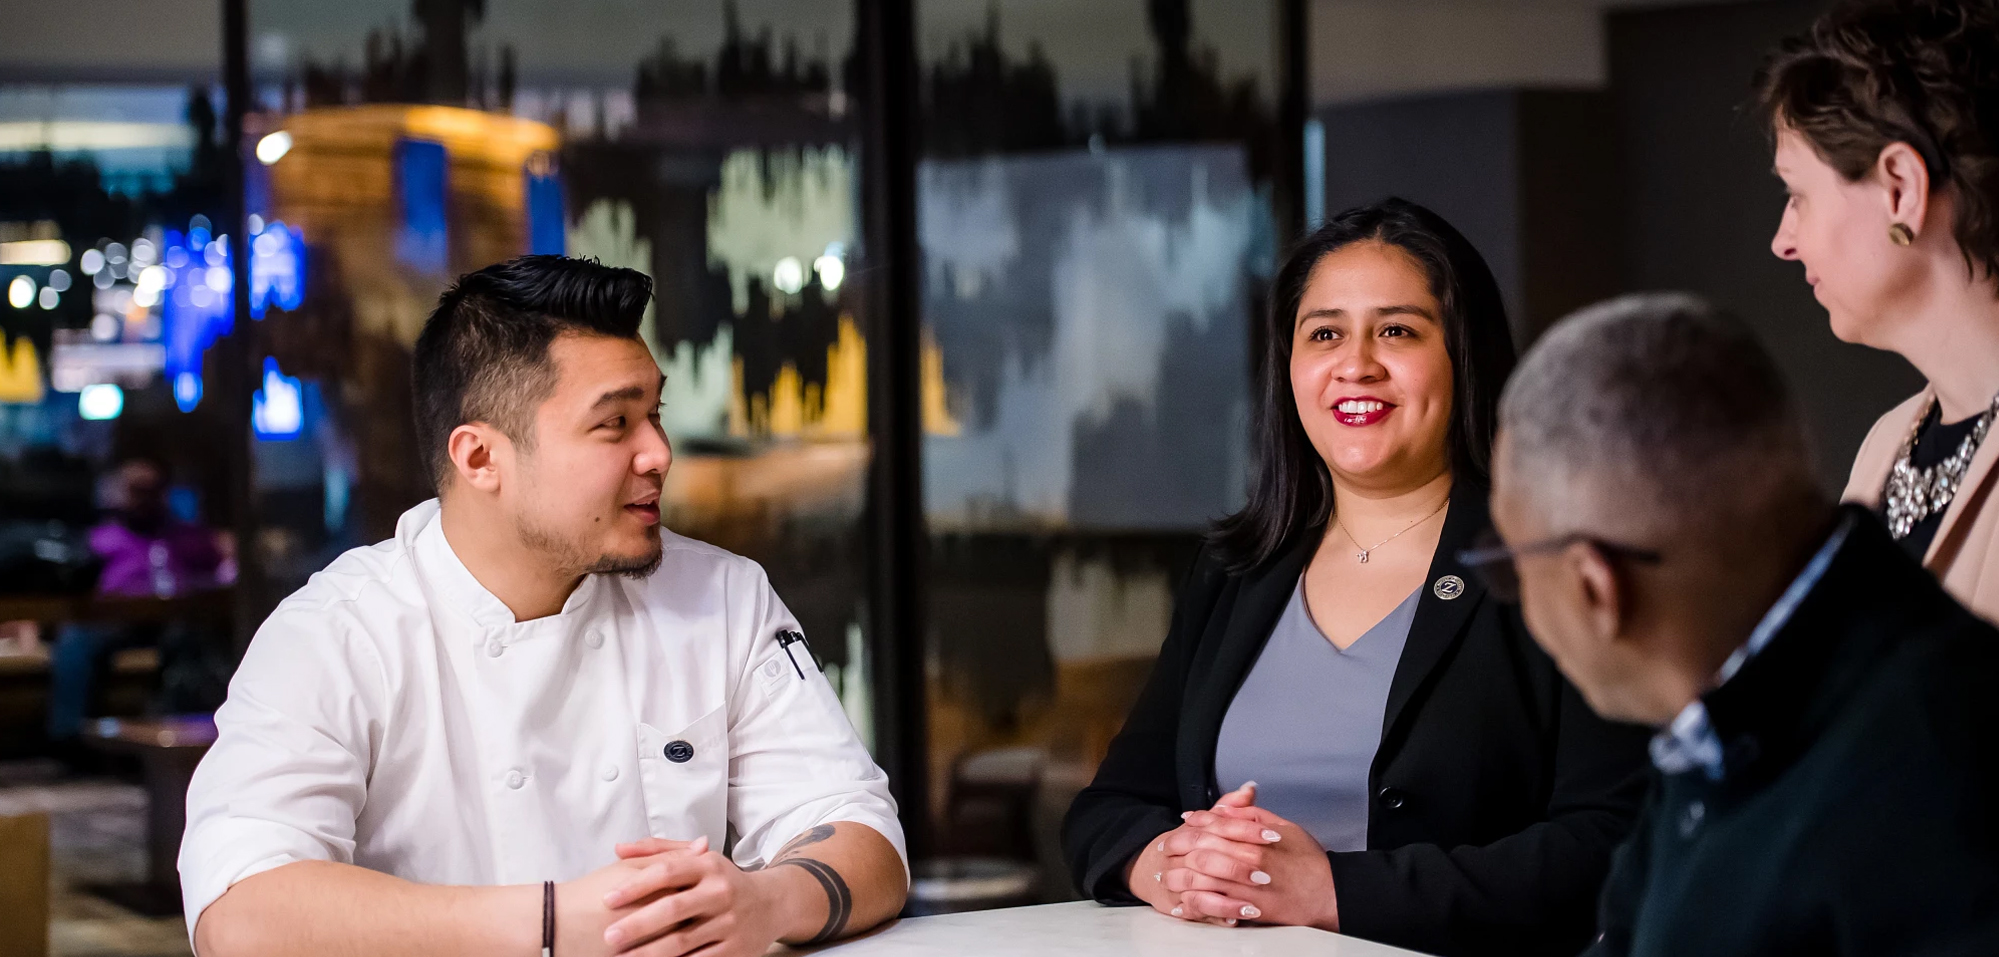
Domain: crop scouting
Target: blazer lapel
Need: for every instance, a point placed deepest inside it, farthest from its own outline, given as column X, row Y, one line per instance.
column 1259, row 600
column 1882, row 447
column 1440, row 620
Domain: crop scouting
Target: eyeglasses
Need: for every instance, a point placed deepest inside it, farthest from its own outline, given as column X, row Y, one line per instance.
column 1493, row 559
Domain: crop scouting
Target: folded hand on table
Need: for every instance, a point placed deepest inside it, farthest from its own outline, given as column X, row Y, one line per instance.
column 583, row 909
column 1242, row 861
column 1146, row 875
column 665, row 899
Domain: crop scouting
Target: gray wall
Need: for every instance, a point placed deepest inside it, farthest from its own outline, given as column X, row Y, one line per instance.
column 1528, row 175
column 1453, row 152
column 1701, row 203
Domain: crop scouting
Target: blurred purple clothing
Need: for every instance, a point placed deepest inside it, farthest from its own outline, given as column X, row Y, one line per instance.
column 177, row 559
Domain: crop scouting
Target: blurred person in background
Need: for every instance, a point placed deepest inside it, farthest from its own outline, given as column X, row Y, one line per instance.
column 20, row 637
column 1827, row 754
column 1342, row 730
column 146, row 553
column 1885, row 116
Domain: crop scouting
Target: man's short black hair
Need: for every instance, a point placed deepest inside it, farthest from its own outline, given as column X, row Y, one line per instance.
column 483, row 354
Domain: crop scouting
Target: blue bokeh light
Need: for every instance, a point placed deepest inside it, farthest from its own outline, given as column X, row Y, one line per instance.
column 277, row 411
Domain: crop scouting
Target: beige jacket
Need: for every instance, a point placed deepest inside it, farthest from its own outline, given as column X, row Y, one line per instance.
column 1965, row 553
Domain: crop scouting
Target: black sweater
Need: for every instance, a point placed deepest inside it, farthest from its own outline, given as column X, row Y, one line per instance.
column 1858, row 812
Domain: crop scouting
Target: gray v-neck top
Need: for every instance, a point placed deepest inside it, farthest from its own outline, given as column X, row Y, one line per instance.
column 1305, row 723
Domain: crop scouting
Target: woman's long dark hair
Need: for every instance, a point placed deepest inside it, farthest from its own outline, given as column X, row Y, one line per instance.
column 1290, row 491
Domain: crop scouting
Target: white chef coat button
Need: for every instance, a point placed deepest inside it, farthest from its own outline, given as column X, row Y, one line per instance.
column 610, row 772
column 494, row 648
column 515, row 779
column 596, row 640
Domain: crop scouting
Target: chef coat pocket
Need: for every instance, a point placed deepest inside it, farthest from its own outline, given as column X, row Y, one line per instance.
column 685, row 775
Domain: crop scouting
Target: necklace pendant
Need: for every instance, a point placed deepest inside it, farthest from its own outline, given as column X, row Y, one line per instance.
column 1361, row 557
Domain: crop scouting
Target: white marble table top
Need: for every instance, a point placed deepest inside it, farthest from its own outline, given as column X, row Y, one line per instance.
column 1093, row 930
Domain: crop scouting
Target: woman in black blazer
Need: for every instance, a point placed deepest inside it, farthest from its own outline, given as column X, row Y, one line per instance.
column 1479, row 815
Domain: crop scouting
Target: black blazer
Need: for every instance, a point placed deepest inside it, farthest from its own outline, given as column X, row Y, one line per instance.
column 1498, row 793
column 1856, row 811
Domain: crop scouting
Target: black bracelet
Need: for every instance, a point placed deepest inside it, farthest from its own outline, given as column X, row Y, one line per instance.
column 547, row 919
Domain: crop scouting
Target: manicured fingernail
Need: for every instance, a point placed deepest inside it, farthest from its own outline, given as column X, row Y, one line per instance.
column 1272, row 836
column 1161, row 848
column 1259, row 877
column 1246, row 785
column 1158, row 877
column 1176, row 911
column 1250, row 911
column 614, row 936
column 1230, row 922
column 700, row 844
column 1186, row 814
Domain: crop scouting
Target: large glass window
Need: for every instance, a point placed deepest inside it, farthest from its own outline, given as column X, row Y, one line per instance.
column 115, row 562
column 1095, row 218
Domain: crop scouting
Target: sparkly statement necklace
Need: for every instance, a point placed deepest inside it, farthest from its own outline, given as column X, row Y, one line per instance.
column 1913, row 494
column 1361, row 556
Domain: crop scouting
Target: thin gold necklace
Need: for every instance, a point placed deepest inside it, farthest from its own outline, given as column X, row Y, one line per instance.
column 1361, row 556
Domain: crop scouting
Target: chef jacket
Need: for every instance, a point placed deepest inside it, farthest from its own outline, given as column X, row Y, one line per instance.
column 392, row 714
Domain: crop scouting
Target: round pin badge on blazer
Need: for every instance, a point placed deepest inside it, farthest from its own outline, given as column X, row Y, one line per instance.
column 1448, row 587
column 679, row 752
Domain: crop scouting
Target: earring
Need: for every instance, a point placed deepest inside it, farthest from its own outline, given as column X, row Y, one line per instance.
column 1900, row 234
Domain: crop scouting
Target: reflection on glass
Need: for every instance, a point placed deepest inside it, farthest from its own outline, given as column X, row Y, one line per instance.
column 1091, row 310
column 1095, row 227
column 106, row 198
column 710, row 146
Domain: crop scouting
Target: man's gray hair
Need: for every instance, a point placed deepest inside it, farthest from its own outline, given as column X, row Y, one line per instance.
column 1649, row 408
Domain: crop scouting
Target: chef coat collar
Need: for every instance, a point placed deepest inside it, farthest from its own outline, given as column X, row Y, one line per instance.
column 452, row 582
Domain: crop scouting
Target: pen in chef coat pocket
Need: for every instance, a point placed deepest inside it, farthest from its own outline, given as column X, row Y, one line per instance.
column 785, row 639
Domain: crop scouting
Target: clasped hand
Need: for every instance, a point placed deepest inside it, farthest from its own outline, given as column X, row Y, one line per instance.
column 666, row 899
column 1238, row 862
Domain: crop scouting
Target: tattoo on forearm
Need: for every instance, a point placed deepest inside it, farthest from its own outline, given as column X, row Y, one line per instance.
column 839, row 901
column 807, row 839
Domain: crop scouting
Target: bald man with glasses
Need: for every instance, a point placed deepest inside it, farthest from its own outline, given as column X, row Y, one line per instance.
column 1828, row 731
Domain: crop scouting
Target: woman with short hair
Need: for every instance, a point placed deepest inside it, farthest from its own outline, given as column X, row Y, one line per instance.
column 1885, row 118
column 1343, row 729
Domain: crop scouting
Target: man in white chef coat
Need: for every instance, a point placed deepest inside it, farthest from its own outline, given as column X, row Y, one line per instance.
column 533, row 682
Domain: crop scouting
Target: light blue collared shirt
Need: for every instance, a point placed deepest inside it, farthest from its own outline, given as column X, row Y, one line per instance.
column 1690, row 742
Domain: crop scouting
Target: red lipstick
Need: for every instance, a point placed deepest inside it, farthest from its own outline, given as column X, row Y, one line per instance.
column 1361, row 410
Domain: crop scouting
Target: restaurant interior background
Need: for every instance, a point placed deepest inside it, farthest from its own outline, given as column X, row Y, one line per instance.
column 955, row 303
